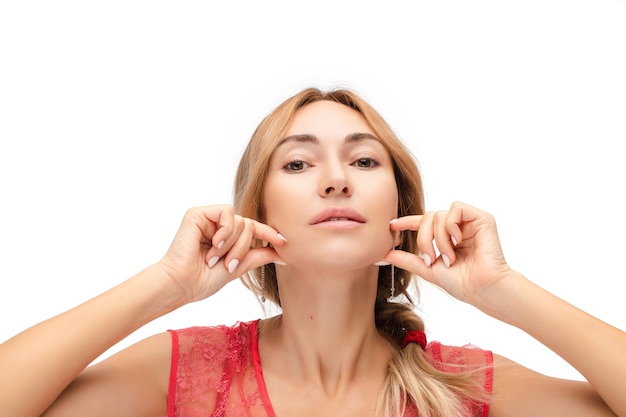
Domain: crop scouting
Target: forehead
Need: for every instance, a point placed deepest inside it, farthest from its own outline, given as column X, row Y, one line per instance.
column 327, row 118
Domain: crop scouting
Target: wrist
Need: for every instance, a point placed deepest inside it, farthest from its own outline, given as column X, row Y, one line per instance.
column 166, row 294
column 502, row 299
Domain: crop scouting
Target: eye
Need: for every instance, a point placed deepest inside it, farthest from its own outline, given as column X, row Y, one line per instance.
column 296, row 166
column 365, row 162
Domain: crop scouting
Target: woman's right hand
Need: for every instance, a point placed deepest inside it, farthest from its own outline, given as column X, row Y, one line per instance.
column 213, row 246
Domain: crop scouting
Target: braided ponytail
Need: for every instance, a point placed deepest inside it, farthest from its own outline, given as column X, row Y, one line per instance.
column 413, row 381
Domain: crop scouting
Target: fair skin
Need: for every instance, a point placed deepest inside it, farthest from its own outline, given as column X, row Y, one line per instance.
column 323, row 356
column 337, row 357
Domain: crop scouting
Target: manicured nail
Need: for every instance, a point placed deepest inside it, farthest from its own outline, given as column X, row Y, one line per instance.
column 232, row 265
column 382, row 263
column 393, row 221
column 213, row 261
column 453, row 239
column 281, row 237
column 280, row 263
column 426, row 258
column 220, row 244
column 446, row 260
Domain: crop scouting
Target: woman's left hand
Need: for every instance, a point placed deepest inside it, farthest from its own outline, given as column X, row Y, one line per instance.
column 470, row 261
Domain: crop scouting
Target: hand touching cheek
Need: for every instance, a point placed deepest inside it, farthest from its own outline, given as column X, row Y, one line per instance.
column 213, row 246
column 470, row 259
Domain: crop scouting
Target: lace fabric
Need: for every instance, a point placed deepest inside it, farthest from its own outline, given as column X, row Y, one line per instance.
column 456, row 359
column 216, row 371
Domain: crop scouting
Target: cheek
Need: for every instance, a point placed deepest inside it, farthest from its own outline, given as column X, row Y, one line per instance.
column 386, row 198
column 271, row 203
column 388, row 209
column 381, row 202
column 280, row 202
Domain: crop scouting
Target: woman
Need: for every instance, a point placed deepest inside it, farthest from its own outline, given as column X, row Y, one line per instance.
column 329, row 225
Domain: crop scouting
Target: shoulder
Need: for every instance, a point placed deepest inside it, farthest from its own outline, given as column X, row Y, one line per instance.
column 204, row 362
column 212, row 343
column 206, row 350
column 470, row 361
column 520, row 391
column 452, row 358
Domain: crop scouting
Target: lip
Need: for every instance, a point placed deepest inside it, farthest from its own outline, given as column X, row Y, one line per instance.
column 338, row 215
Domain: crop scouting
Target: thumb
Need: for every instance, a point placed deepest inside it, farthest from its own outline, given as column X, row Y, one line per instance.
column 409, row 262
column 257, row 257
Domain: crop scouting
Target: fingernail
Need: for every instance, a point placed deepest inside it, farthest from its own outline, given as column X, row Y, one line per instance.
column 220, row 244
column 426, row 258
column 280, row 263
column 453, row 239
column 213, row 261
column 281, row 237
column 446, row 260
column 393, row 221
column 232, row 265
column 382, row 263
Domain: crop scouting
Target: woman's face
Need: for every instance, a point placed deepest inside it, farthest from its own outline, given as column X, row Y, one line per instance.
column 331, row 190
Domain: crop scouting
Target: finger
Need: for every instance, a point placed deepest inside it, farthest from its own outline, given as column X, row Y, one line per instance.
column 468, row 219
column 267, row 233
column 406, row 223
column 425, row 237
column 422, row 224
column 206, row 220
column 225, row 219
column 240, row 245
column 226, row 241
column 409, row 262
column 252, row 230
column 442, row 238
column 255, row 258
column 459, row 214
column 260, row 231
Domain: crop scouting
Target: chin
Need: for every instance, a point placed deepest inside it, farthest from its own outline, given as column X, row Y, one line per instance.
column 334, row 255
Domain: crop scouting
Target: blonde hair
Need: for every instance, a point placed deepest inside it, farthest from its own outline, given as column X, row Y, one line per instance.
column 410, row 377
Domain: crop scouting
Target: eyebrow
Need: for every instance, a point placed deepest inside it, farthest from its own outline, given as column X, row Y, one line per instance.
column 306, row 138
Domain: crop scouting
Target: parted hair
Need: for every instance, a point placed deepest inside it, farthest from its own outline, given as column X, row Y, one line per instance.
column 411, row 377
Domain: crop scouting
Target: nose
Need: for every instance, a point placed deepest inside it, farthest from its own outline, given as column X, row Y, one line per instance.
column 335, row 183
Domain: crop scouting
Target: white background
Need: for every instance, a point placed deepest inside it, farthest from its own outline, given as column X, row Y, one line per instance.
column 115, row 117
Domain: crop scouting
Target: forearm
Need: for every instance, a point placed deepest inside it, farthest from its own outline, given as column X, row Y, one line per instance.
column 596, row 349
column 40, row 362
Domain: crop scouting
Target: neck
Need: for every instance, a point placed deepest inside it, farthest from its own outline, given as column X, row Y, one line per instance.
column 327, row 332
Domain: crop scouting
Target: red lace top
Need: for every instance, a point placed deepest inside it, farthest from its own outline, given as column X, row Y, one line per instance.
column 217, row 371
